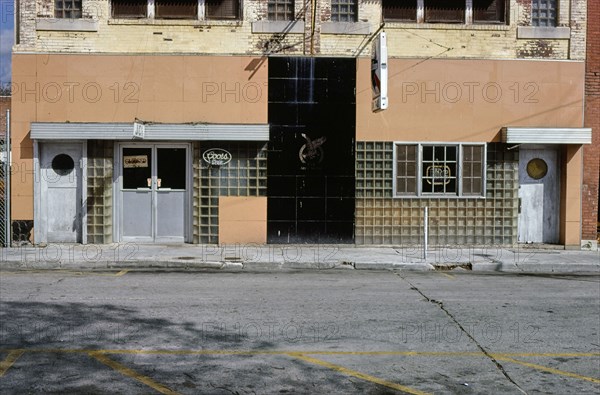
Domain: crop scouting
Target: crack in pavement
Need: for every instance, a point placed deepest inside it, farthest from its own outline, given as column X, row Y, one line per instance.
column 481, row 348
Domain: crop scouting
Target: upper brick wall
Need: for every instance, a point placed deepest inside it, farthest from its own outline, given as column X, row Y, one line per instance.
column 591, row 153
column 4, row 105
column 236, row 37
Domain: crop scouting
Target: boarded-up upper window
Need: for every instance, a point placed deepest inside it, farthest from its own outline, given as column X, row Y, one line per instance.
column 222, row 9
column 129, row 8
column 400, row 10
column 176, row 9
column 445, row 11
column 488, row 11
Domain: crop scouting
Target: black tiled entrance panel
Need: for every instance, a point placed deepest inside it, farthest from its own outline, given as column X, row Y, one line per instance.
column 312, row 121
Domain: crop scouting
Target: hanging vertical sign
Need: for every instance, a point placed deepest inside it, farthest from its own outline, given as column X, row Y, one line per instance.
column 379, row 73
column 139, row 130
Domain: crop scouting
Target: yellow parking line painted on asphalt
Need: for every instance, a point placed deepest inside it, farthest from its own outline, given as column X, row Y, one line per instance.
column 357, row 374
column 121, row 273
column 10, row 359
column 549, row 370
column 124, row 370
column 448, row 275
column 548, row 354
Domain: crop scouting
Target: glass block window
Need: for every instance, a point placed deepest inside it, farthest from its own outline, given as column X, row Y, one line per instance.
column 344, row 10
column 489, row 11
column 400, row 10
column 245, row 175
column 543, row 12
column 99, row 191
column 439, row 169
column 374, row 169
column 469, row 220
column 281, row 10
column 129, row 8
column 67, row 9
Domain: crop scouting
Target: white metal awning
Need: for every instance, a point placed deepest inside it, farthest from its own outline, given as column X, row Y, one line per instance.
column 547, row 135
column 150, row 131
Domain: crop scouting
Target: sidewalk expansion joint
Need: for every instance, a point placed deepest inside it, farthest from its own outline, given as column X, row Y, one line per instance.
column 440, row 304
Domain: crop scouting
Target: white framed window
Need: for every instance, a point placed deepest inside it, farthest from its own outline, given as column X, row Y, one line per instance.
column 439, row 169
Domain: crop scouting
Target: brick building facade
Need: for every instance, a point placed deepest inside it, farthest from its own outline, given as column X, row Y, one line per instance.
column 229, row 121
column 4, row 105
column 591, row 153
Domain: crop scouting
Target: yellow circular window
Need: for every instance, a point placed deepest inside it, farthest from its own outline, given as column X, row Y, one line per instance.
column 537, row 168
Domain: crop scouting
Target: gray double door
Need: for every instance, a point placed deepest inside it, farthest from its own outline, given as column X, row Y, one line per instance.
column 153, row 196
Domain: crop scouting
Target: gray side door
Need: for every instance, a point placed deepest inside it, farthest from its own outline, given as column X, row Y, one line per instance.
column 61, row 192
column 539, row 194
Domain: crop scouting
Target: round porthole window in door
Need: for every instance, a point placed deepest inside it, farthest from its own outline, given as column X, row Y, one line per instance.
column 537, row 168
column 63, row 164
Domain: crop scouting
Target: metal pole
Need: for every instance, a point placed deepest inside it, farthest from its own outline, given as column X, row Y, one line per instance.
column 425, row 231
column 8, row 231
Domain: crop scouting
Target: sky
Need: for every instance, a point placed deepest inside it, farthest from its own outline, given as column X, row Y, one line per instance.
column 6, row 38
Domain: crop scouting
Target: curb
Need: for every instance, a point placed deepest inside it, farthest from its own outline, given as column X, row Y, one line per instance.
column 177, row 264
column 548, row 268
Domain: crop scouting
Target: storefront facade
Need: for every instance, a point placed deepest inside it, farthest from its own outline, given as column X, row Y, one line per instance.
column 252, row 136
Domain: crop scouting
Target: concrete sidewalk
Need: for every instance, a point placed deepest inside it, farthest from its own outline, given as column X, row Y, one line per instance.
column 273, row 257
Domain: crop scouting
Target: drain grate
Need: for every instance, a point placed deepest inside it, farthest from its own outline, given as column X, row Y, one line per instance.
column 452, row 266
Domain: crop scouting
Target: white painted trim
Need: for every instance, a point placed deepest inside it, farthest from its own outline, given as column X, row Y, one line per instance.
column 84, row 179
column 420, row 11
column 116, row 219
column 153, row 131
column 201, row 9
column 459, row 195
column 38, row 221
column 151, row 9
column 469, row 12
column 519, row 135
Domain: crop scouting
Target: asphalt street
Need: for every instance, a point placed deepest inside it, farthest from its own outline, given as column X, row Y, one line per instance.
column 298, row 331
